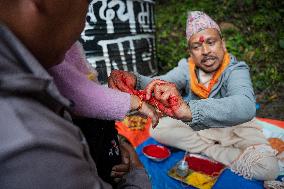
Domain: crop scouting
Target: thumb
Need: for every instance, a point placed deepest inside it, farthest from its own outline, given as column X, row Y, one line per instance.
column 125, row 156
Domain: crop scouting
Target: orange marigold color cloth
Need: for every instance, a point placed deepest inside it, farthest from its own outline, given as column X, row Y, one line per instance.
column 134, row 129
column 199, row 89
column 277, row 144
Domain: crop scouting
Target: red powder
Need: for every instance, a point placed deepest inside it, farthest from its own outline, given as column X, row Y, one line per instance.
column 201, row 39
column 156, row 151
column 204, row 166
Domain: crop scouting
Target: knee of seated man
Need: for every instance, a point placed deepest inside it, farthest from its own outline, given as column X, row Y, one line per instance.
column 257, row 162
column 266, row 168
column 155, row 133
column 159, row 129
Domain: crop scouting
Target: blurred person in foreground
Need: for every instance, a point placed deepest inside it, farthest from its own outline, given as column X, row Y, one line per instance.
column 40, row 146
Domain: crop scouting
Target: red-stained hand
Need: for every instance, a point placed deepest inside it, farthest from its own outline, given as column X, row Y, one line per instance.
column 151, row 112
column 166, row 99
column 138, row 103
column 169, row 100
column 122, row 80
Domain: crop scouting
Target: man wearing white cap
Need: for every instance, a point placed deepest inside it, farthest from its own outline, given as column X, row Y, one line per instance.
column 217, row 94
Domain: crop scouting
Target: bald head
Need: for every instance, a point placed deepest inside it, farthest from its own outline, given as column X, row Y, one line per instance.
column 47, row 28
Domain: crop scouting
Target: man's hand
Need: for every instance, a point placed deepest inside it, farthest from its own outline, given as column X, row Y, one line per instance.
column 129, row 159
column 134, row 159
column 172, row 103
column 151, row 112
column 118, row 171
column 145, row 109
column 122, row 80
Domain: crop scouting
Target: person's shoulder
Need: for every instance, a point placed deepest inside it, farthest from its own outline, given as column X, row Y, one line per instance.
column 235, row 67
column 75, row 56
column 13, row 131
column 183, row 63
column 33, row 124
column 236, row 64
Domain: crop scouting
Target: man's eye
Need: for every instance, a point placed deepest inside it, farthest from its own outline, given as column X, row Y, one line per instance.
column 195, row 47
column 211, row 42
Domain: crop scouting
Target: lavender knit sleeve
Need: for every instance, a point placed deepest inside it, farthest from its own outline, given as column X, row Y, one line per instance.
column 91, row 99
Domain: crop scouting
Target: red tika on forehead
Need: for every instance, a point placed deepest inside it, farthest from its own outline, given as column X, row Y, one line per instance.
column 201, row 39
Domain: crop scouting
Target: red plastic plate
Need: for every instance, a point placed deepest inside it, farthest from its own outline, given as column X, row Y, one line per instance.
column 156, row 152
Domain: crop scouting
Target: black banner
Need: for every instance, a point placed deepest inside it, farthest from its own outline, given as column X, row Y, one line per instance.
column 120, row 34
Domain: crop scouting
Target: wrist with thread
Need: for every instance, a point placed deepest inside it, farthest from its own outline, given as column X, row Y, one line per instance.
column 139, row 105
column 135, row 107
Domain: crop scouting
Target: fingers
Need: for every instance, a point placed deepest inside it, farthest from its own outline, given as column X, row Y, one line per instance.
column 118, row 175
column 155, row 121
column 149, row 89
column 128, row 148
column 133, row 156
column 111, row 78
column 151, row 86
column 111, row 83
column 164, row 98
column 130, row 80
column 149, row 111
column 166, row 110
column 117, row 180
column 159, row 87
column 123, row 87
column 164, row 92
column 120, row 170
column 122, row 80
column 125, row 156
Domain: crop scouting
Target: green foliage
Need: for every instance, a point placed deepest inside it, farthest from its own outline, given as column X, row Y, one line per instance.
column 236, row 44
column 255, row 35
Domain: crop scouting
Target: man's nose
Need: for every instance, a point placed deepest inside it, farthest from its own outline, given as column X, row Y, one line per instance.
column 205, row 49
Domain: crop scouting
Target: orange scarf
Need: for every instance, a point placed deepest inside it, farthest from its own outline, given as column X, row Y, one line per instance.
column 199, row 89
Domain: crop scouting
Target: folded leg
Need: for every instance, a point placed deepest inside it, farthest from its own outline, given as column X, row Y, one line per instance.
column 175, row 133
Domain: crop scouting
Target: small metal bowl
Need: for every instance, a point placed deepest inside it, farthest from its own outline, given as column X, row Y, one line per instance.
column 156, row 152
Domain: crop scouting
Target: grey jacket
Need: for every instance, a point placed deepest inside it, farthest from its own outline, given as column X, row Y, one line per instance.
column 38, row 147
column 230, row 102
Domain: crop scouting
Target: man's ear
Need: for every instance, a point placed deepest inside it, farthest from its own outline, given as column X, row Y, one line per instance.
column 188, row 49
column 224, row 45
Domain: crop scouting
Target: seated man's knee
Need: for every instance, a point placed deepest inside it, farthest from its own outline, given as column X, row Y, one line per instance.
column 156, row 132
column 161, row 129
column 257, row 162
column 267, row 168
